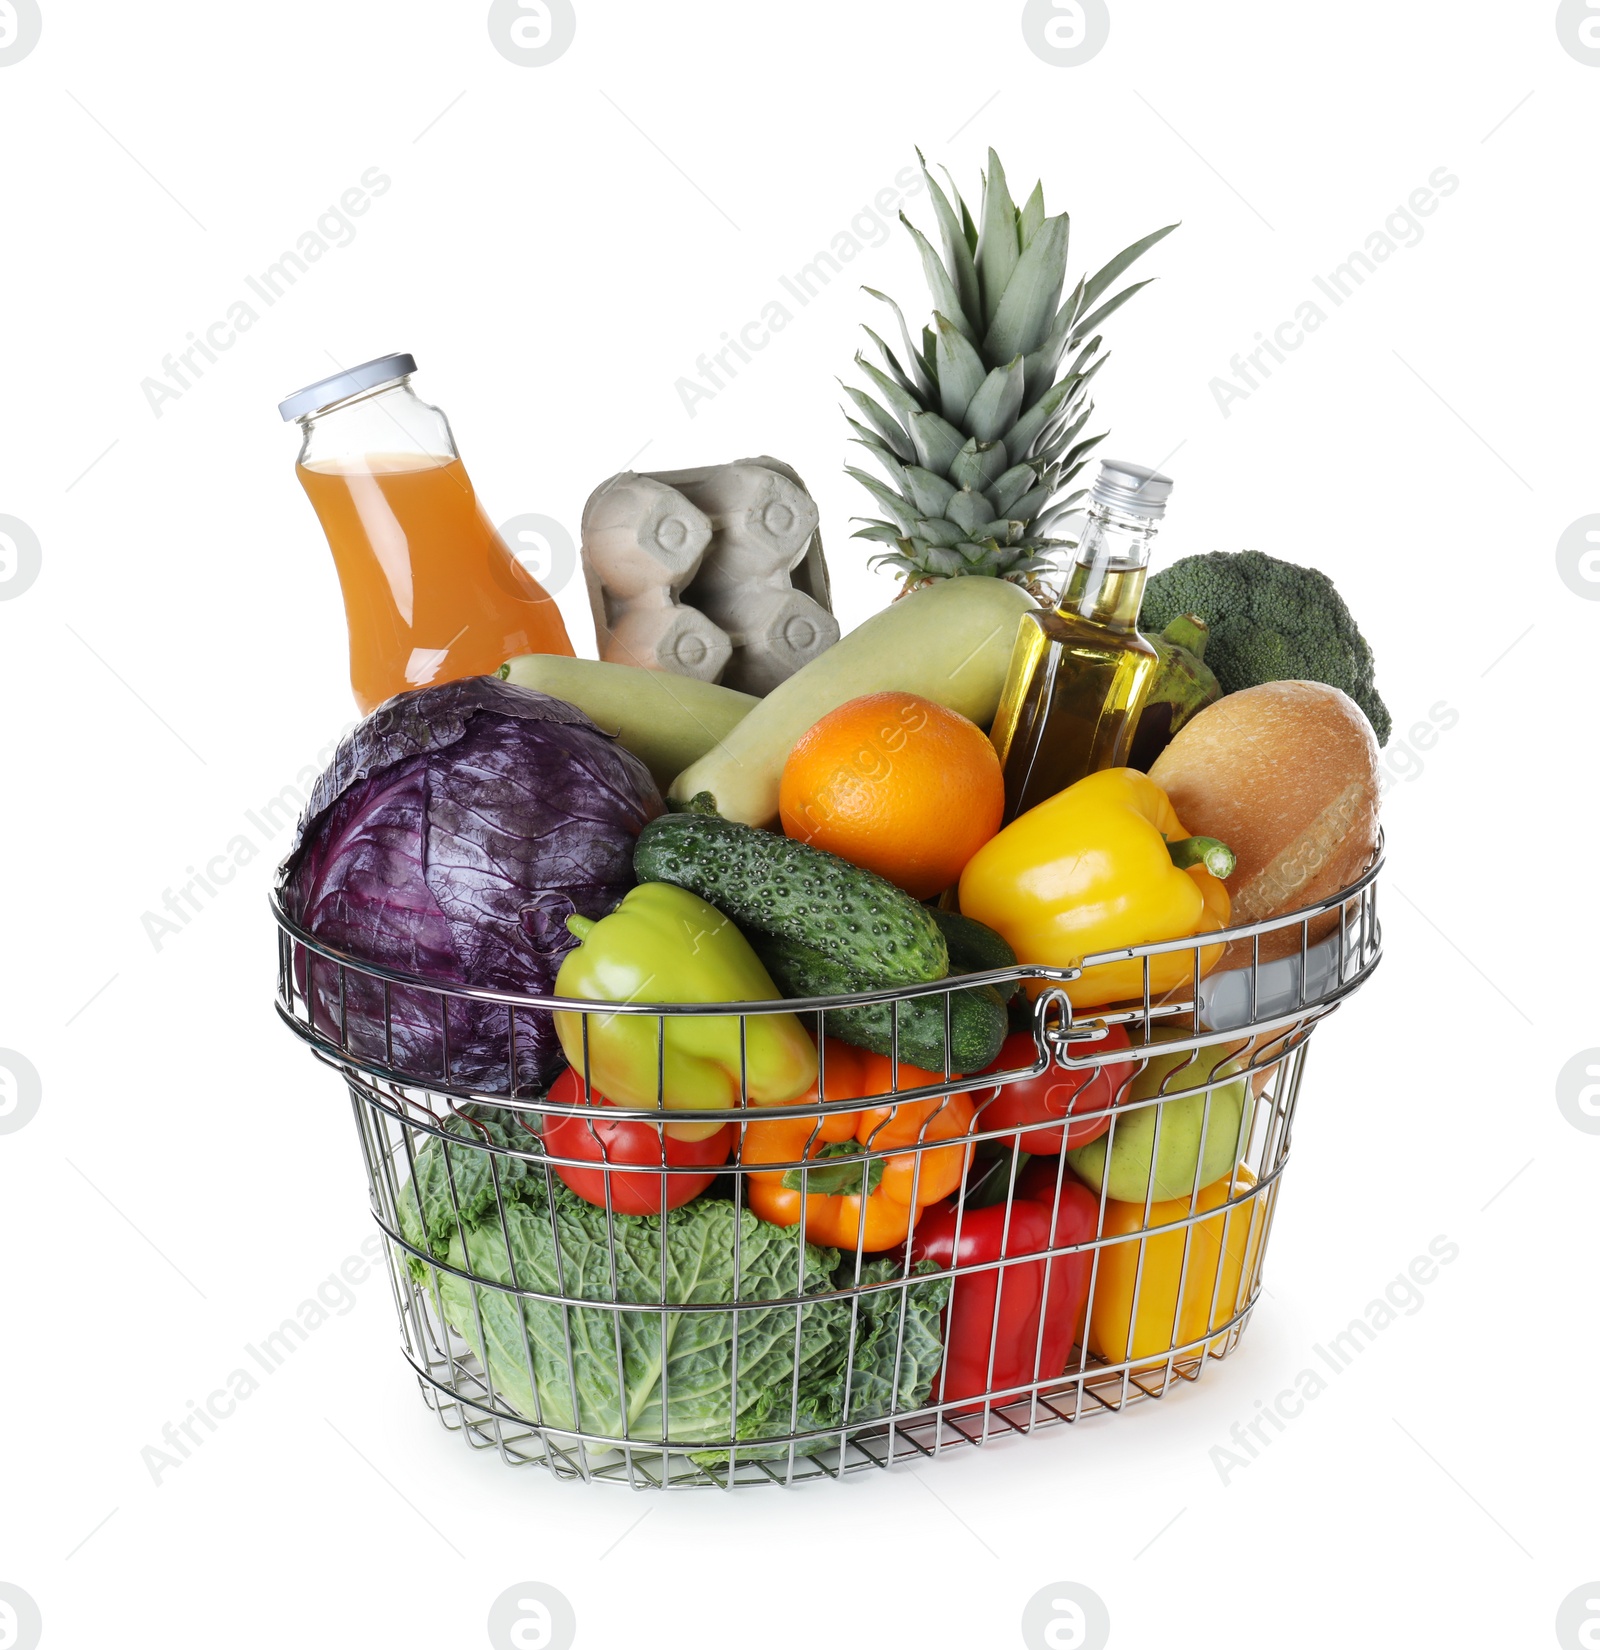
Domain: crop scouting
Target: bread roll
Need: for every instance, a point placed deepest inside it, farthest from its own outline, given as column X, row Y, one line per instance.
column 1287, row 775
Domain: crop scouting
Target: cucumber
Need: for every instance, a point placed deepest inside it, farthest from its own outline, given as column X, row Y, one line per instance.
column 762, row 880
column 974, row 947
column 950, row 642
column 667, row 721
column 978, row 1021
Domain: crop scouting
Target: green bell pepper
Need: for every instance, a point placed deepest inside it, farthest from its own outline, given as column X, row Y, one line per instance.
column 663, row 944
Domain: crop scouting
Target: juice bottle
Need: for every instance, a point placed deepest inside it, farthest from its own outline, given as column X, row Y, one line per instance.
column 1079, row 674
column 431, row 592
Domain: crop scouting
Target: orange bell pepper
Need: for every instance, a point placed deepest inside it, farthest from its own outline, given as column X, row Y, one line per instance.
column 897, row 1188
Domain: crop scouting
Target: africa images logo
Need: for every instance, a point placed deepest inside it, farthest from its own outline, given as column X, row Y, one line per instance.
column 20, row 28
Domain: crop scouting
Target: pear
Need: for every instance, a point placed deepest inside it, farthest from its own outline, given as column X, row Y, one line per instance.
column 1191, row 1135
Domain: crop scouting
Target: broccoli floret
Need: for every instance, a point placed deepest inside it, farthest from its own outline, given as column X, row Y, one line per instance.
column 1270, row 621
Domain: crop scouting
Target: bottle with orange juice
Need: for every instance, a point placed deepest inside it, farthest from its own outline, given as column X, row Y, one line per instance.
column 431, row 592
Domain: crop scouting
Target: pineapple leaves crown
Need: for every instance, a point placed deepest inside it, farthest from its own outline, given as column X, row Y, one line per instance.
column 980, row 430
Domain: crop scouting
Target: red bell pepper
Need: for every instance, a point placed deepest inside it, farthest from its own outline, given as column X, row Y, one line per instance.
column 1010, row 1326
column 652, row 1179
column 1087, row 1095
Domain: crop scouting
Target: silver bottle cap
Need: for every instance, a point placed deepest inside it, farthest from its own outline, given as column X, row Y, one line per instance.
column 1131, row 489
column 314, row 397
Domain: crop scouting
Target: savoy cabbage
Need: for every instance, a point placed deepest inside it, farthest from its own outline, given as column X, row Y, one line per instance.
column 629, row 1367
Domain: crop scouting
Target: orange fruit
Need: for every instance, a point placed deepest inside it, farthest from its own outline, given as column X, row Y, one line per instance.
column 896, row 784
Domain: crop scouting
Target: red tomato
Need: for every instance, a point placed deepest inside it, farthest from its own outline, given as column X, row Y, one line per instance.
column 1087, row 1096
column 607, row 1142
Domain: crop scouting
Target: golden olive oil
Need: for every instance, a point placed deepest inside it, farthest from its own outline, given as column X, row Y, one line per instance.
column 1080, row 673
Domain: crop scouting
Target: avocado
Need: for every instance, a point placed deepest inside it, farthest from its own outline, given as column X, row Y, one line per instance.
column 1182, row 688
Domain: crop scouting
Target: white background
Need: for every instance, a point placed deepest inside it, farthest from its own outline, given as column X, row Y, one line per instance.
column 192, row 1175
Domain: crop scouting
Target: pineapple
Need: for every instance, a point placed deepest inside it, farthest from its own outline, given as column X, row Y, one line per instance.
column 977, row 432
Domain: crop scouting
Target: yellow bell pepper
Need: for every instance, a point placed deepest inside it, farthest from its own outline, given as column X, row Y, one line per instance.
column 1102, row 865
column 1222, row 1257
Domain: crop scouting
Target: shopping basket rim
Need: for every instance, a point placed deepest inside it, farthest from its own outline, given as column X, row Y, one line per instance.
column 1036, row 972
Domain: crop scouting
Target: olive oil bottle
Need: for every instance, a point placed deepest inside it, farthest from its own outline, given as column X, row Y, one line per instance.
column 1080, row 673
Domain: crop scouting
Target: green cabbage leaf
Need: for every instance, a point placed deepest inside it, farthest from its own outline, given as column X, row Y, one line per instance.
column 634, row 1365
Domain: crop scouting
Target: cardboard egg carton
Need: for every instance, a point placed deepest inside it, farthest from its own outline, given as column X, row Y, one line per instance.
column 715, row 573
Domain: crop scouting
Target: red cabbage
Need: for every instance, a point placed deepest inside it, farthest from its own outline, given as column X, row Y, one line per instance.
column 452, row 835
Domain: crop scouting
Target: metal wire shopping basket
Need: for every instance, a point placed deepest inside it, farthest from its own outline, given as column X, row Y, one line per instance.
column 713, row 1348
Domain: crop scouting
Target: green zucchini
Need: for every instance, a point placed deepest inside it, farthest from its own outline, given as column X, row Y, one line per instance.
column 950, row 642
column 762, row 880
column 667, row 721
column 978, row 1020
